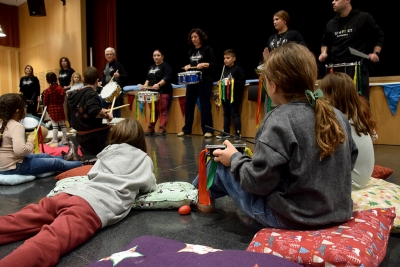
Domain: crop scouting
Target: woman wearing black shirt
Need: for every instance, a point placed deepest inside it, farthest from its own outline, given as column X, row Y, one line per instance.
column 159, row 78
column 29, row 86
column 64, row 80
column 202, row 57
column 284, row 35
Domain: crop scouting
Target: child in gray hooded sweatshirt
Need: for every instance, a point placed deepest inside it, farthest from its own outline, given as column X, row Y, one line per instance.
column 59, row 224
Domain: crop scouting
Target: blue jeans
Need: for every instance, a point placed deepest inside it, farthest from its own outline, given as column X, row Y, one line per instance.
column 252, row 205
column 35, row 164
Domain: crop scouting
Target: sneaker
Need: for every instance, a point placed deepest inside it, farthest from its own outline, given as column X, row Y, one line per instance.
column 206, row 208
column 149, row 131
column 222, row 136
column 237, row 137
column 89, row 161
column 181, row 134
column 208, row 135
column 161, row 131
column 71, row 154
column 63, row 142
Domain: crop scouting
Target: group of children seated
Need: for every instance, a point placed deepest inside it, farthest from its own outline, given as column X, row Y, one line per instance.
column 309, row 153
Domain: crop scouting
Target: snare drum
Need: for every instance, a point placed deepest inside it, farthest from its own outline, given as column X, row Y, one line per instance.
column 29, row 123
column 146, row 96
column 110, row 91
column 189, row 77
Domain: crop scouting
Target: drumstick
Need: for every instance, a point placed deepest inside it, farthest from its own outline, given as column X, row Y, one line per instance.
column 222, row 74
column 112, row 78
column 190, row 68
column 40, row 122
column 109, row 110
column 230, row 134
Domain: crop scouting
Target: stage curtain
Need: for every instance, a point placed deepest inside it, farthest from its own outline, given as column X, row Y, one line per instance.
column 9, row 24
column 105, row 31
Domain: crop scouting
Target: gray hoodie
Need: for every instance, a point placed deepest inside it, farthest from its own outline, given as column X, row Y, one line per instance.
column 120, row 173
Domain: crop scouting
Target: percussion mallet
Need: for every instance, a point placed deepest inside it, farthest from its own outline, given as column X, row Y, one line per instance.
column 109, row 110
column 230, row 135
column 222, row 74
column 41, row 119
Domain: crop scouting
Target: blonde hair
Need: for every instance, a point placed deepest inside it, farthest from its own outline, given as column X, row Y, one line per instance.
column 293, row 68
column 341, row 91
column 76, row 74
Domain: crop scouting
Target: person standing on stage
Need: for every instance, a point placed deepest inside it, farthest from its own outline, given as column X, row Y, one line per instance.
column 202, row 57
column 284, row 35
column 356, row 29
column 29, row 86
column 64, row 80
column 159, row 78
column 113, row 69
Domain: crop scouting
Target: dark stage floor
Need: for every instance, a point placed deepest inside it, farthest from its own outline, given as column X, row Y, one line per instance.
column 175, row 159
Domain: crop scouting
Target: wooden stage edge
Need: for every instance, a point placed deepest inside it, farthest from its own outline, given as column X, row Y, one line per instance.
column 388, row 125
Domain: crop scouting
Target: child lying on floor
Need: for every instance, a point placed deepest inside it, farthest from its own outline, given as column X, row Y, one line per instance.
column 61, row 223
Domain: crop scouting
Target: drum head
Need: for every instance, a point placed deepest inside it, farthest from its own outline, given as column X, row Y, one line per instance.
column 29, row 123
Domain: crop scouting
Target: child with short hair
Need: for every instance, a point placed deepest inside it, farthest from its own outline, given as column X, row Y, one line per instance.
column 59, row 224
column 341, row 91
column 53, row 98
column 300, row 174
column 234, row 84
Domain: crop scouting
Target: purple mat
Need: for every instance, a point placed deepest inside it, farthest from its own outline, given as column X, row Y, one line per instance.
column 158, row 251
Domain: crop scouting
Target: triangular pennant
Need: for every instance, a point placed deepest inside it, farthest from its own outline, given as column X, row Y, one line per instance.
column 392, row 92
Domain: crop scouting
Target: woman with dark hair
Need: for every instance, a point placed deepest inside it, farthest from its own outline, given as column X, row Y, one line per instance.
column 65, row 74
column 64, row 80
column 201, row 57
column 284, row 35
column 159, row 78
column 29, row 86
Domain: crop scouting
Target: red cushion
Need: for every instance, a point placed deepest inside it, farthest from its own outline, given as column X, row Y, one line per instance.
column 361, row 240
column 381, row 172
column 78, row 171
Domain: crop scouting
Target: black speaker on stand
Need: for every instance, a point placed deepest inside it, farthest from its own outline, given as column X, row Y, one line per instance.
column 36, row 8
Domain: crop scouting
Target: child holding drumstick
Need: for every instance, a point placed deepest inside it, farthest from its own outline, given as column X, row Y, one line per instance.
column 59, row 224
column 300, row 174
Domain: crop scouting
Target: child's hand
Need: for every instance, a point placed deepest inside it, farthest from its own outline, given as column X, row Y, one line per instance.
column 31, row 138
column 224, row 156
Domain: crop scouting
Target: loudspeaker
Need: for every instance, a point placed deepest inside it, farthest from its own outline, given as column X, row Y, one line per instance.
column 36, row 8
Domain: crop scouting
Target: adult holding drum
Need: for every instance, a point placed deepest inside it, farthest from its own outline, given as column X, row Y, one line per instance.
column 29, row 86
column 158, row 80
column 115, row 71
column 201, row 58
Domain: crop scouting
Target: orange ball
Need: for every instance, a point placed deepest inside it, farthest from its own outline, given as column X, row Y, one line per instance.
column 184, row 210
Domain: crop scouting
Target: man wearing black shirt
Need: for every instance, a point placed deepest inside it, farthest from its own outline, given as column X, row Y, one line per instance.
column 356, row 29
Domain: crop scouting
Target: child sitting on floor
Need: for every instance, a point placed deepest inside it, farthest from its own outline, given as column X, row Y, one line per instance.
column 341, row 91
column 300, row 174
column 16, row 153
column 61, row 223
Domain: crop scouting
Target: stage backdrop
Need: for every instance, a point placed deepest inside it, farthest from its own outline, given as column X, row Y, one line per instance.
column 146, row 25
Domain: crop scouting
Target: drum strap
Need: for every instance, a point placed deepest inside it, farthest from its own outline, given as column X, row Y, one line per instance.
column 94, row 130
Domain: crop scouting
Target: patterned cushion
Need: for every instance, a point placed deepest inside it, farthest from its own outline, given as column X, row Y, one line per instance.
column 78, row 171
column 381, row 172
column 378, row 194
column 62, row 184
column 168, row 195
column 361, row 241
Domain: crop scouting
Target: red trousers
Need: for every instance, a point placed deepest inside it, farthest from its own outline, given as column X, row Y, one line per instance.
column 54, row 227
column 162, row 110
